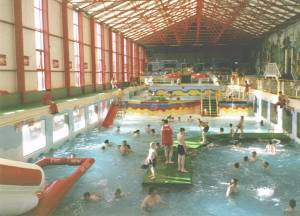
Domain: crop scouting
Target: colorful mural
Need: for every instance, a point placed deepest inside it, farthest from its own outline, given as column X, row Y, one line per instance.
column 282, row 48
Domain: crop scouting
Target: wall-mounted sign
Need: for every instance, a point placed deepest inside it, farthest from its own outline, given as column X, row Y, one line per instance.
column 26, row 60
column 86, row 65
column 2, row 60
column 55, row 63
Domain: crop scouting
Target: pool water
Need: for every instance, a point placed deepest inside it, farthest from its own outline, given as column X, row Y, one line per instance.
column 260, row 193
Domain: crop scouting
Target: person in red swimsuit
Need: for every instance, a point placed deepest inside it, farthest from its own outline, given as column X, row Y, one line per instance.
column 47, row 100
column 167, row 141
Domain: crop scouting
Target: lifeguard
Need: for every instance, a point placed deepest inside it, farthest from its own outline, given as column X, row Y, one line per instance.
column 167, row 141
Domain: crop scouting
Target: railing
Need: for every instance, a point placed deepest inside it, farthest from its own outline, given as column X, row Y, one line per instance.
column 290, row 88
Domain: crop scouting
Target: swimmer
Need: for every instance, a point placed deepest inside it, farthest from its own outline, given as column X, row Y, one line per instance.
column 179, row 118
column 118, row 129
column 246, row 159
column 253, row 156
column 124, row 148
column 72, row 156
column 152, row 133
column 236, row 166
column 190, row 119
column 262, row 123
column 151, row 159
column 148, row 128
column 87, row 196
column 232, row 187
column 265, row 166
column 136, row 133
column 119, row 194
column 292, row 206
column 151, row 200
column 221, row 130
column 105, row 145
column 271, row 148
column 236, row 143
column 231, row 130
column 204, row 128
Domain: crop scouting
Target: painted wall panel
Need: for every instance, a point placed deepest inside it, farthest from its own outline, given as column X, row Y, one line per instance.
column 86, row 30
column 29, row 48
column 56, row 53
column 55, row 18
column 6, row 10
column 28, row 13
column 7, row 45
column 8, row 81
column 264, row 109
column 287, row 120
column 70, row 23
column 88, row 78
column 31, row 82
column 58, row 79
column 87, row 58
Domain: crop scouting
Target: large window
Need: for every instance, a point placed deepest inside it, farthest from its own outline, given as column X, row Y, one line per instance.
column 79, row 119
column 99, row 59
column 93, row 113
column 76, row 49
column 60, row 127
column 39, row 44
column 33, row 137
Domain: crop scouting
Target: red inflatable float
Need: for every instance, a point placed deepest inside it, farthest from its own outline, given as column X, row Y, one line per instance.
column 54, row 193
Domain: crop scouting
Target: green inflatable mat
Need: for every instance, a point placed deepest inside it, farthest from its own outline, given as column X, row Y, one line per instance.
column 191, row 143
column 167, row 174
column 226, row 138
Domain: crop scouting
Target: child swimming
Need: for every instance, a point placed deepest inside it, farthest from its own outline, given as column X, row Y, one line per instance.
column 232, row 187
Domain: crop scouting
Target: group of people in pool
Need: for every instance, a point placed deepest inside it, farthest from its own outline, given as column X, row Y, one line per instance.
column 153, row 198
column 232, row 187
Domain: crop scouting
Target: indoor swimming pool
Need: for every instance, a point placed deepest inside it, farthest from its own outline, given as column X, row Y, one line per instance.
column 260, row 193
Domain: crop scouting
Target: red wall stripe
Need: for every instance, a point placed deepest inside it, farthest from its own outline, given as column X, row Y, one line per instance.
column 19, row 48
column 81, row 48
column 110, row 54
column 103, row 55
column 66, row 45
column 93, row 51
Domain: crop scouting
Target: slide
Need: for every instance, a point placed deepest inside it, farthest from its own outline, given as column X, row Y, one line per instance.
column 22, row 185
column 111, row 114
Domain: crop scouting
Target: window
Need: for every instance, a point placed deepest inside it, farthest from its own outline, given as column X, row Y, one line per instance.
column 39, row 44
column 33, row 137
column 93, row 113
column 79, row 119
column 60, row 127
column 99, row 54
column 76, row 48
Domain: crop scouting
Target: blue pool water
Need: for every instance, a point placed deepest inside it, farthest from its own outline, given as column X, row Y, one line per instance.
column 260, row 194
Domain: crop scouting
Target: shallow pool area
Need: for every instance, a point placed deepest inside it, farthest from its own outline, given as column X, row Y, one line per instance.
column 260, row 193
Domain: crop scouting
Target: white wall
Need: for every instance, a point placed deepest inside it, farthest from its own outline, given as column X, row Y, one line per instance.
column 8, row 77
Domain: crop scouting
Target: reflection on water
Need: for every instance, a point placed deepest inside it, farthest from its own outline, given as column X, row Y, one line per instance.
column 260, row 193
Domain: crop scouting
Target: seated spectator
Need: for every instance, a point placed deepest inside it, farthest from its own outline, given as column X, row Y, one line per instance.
column 282, row 101
column 47, row 100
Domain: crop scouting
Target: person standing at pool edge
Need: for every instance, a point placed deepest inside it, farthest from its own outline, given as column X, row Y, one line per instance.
column 240, row 127
column 167, row 141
